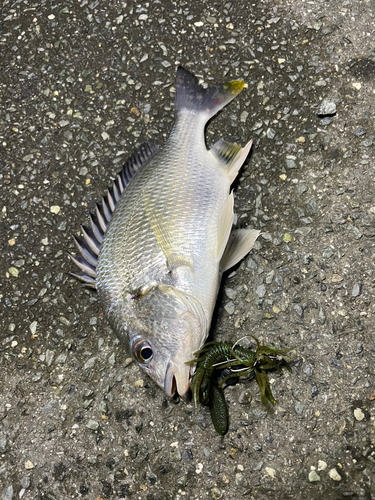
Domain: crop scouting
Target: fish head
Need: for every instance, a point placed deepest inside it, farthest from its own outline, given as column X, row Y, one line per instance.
column 169, row 326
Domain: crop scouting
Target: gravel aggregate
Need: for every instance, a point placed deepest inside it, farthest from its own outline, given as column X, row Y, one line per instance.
column 84, row 83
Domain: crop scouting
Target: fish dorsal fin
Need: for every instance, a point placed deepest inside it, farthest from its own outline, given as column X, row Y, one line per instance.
column 89, row 244
column 225, row 225
column 193, row 97
column 231, row 155
column 240, row 242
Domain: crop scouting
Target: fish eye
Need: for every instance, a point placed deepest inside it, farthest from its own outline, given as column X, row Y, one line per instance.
column 143, row 352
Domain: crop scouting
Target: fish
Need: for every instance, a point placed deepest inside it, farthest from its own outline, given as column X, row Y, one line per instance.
column 160, row 240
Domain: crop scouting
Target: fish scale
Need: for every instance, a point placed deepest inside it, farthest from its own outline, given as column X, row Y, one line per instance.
column 158, row 260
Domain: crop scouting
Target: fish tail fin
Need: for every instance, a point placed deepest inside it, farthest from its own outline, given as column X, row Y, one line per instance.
column 193, row 97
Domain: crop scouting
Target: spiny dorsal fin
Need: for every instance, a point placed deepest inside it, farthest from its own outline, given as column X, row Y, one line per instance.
column 89, row 244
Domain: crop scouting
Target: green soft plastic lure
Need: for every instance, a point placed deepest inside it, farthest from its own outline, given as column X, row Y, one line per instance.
column 214, row 357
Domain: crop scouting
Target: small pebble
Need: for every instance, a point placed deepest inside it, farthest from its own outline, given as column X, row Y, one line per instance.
column 3, row 444
column 187, row 456
column 29, row 465
column 336, row 278
column 298, row 310
column 366, row 143
column 251, row 264
column 314, row 389
column 199, row 468
column 89, row 363
column 326, row 121
column 49, row 357
column 229, row 307
column 327, row 253
column 333, row 474
column 216, row 493
column 299, row 408
column 139, row 383
column 93, row 425
column 322, row 465
column 307, row 370
column 241, row 480
column 245, row 397
column 354, row 230
column 356, row 291
column 360, row 131
column 7, row 493
column 314, row 477
column 327, row 108
column 243, row 116
column 261, row 291
column 269, row 277
column 290, row 164
column 32, row 327
column 271, row 472
column 358, row 414
column 270, row 133
column 231, row 293
column 181, row 481
column 13, row 271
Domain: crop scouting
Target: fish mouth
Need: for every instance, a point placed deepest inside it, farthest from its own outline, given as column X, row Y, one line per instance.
column 177, row 379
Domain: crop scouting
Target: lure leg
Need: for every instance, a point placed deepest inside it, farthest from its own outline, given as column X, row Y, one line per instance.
column 218, row 409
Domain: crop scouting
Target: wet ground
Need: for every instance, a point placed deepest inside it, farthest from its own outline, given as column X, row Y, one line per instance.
column 82, row 84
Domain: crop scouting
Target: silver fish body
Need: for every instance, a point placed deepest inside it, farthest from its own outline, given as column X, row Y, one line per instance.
column 161, row 253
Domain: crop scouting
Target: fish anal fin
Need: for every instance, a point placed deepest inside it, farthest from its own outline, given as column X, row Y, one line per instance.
column 225, row 225
column 231, row 155
column 240, row 242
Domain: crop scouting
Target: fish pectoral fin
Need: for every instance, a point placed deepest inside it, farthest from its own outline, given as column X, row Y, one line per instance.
column 165, row 240
column 240, row 242
column 225, row 225
column 174, row 261
column 231, row 155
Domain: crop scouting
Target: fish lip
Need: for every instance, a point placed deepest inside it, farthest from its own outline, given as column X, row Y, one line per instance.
column 172, row 383
column 170, row 380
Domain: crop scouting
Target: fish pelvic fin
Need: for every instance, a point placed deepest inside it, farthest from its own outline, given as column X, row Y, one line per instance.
column 240, row 242
column 231, row 156
column 89, row 244
column 193, row 97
